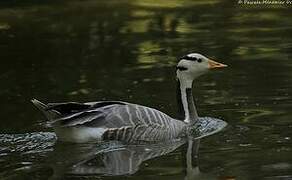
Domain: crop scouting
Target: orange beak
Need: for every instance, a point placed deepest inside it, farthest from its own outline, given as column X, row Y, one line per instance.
column 213, row 64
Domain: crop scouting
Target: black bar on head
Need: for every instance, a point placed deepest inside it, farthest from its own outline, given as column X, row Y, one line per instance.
column 181, row 68
column 190, row 58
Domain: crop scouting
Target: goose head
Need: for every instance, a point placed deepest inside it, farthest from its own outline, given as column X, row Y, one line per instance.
column 194, row 65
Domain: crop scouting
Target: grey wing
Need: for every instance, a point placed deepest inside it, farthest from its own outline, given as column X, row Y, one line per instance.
column 55, row 111
column 126, row 122
column 142, row 124
column 75, row 107
column 108, row 116
column 93, row 116
column 72, row 113
column 80, row 118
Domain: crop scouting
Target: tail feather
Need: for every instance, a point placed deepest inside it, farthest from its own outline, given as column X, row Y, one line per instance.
column 50, row 114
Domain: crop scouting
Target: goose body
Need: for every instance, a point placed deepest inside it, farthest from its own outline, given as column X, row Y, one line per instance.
column 117, row 120
column 83, row 122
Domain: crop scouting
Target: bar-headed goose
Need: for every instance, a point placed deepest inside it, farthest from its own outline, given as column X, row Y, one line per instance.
column 116, row 120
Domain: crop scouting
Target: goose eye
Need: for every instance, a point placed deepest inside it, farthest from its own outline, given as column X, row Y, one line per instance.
column 199, row 60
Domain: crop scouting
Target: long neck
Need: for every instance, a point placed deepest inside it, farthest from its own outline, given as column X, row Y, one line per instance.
column 185, row 98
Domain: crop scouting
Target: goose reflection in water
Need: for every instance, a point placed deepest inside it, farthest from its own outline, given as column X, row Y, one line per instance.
column 124, row 160
column 115, row 159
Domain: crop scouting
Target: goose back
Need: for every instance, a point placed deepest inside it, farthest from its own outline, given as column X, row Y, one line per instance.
column 118, row 120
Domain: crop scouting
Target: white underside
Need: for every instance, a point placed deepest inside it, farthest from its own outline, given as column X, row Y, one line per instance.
column 79, row 134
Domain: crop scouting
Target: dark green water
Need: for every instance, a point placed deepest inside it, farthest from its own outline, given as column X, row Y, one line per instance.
column 126, row 50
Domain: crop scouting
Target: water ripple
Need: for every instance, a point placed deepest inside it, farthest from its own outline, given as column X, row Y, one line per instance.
column 27, row 142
